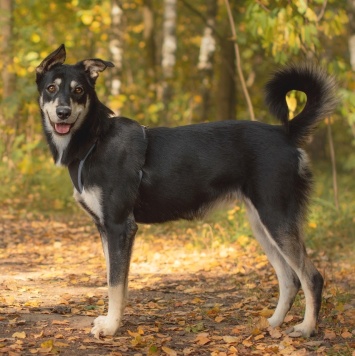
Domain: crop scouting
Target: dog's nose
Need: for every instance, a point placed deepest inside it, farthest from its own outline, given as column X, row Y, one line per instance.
column 63, row 112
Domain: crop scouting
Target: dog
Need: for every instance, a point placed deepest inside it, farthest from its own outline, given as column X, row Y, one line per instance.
column 124, row 173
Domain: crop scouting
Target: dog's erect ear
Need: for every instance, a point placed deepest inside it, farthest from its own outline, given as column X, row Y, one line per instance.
column 95, row 65
column 56, row 57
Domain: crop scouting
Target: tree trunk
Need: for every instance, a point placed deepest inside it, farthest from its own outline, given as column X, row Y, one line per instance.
column 116, row 49
column 226, row 96
column 8, row 118
column 7, row 74
column 205, row 59
column 351, row 12
column 150, row 48
column 333, row 162
column 168, row 51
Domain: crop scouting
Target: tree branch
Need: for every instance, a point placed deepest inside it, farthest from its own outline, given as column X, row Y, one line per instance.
column 238, row 63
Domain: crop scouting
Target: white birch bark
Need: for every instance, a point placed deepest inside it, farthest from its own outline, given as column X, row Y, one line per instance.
column 115, row 46
column 208, row 47
column 169, row 38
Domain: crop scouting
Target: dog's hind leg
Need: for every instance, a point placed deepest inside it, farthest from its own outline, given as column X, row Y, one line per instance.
column 287, row 253
column 289, row 283
column 117, row 241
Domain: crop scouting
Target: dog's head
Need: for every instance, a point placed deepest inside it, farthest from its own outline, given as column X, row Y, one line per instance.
column 66, row 91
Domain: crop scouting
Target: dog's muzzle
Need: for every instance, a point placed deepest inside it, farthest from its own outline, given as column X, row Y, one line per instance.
column 63, row 113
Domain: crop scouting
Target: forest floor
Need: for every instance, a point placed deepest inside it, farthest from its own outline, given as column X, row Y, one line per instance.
column 184, row 299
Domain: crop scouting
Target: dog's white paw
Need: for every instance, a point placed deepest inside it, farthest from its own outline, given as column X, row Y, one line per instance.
column 301, row 330
column 103, row 326
column 275, row 321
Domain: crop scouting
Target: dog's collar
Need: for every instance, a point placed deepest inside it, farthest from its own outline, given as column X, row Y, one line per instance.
column 75, row 170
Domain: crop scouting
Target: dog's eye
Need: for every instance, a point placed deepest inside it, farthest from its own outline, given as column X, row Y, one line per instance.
column 78, row 90
column 51, row 88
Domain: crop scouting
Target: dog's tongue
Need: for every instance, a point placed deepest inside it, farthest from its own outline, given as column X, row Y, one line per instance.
column 62, row 128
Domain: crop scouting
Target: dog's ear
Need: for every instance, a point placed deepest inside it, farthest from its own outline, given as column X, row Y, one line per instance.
column 95, row 66
column 56, row 57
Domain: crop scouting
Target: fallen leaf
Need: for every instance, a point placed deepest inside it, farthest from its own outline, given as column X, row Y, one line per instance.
column 288, row 318
column 346, row 335
column 329, row 334
column 266, row 313
column 61, row 344
column 19, row 335
column 247, row 343
column 274, row 332
column 202, row 339
column 60, row 322
column 169, row 351
column 231, row 339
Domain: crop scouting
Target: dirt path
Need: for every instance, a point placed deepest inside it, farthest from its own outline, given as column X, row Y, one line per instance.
column 183, row 300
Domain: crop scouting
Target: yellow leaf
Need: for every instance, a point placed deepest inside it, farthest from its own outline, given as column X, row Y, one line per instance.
column 291, row 103
column 19, row 335
column 266, row 312
column 218, row 319
column 231, row 339
column 35, row 38
column 247, row 343
column 169, row 351
column 47, row 344
column 311, row 15
column 86, row 18
column 60, row 322
column 61, row 344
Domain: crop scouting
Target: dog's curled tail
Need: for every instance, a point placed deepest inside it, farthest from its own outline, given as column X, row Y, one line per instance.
column 322, row 99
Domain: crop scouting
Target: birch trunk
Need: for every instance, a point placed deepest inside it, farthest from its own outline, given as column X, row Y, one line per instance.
column 116, row 48
column 169, row 38
column 351, row 9
column 168, row 51
column 205, row 60
column 150, row 47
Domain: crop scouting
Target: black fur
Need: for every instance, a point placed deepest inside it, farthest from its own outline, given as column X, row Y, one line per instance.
column 152, row 175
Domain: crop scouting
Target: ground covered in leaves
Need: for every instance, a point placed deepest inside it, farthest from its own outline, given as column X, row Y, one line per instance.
column 185, row 299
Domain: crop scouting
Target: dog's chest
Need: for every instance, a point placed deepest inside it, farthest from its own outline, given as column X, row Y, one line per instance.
column 91, row 201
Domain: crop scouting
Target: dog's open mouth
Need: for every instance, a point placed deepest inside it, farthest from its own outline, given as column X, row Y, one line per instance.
column 62, row 129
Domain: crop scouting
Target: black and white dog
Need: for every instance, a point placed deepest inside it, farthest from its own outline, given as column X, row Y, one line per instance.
column 124, row 173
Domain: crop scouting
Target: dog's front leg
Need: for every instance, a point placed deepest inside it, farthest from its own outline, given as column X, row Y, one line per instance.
column 117, row 241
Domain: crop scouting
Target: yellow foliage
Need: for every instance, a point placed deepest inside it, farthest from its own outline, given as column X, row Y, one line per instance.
column 35, row 38
column 87, row 18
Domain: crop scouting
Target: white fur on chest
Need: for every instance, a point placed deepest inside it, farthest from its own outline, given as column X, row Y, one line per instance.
column 91, row 201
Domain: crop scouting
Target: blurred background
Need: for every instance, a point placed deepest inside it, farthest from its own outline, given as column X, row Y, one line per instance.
column 175, row 64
